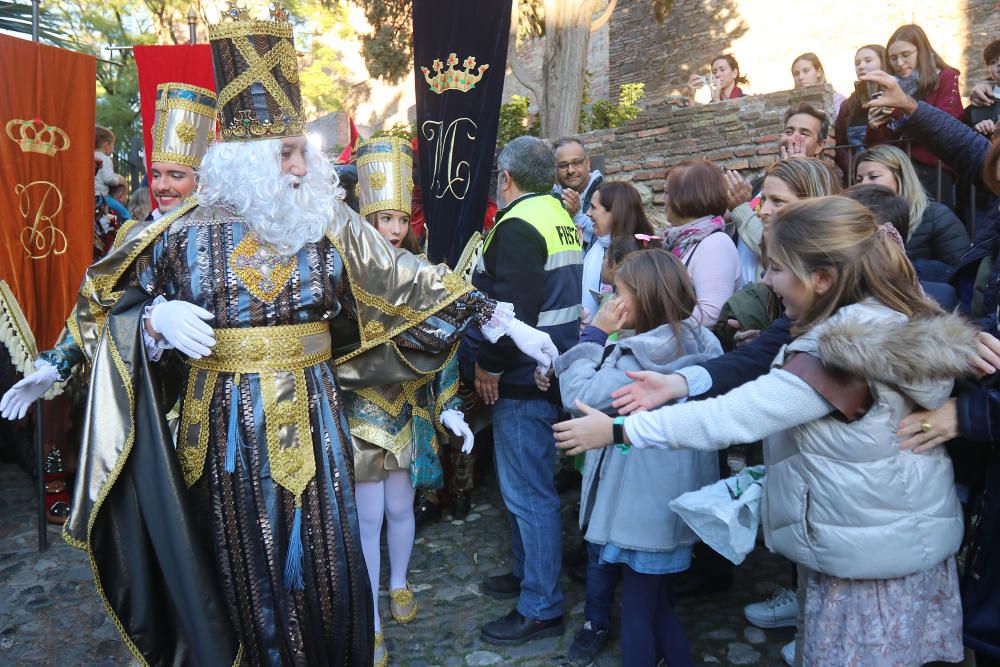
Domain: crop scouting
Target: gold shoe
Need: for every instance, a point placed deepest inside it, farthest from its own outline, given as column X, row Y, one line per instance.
column 381, row 653
column 402, row 605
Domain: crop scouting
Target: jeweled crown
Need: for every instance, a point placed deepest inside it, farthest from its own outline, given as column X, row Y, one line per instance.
column 36, row 136
column 461, row 80
column 256, row 75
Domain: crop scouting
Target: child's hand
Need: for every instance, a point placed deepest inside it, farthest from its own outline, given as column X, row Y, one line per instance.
column 543, row 379
column 611, row 317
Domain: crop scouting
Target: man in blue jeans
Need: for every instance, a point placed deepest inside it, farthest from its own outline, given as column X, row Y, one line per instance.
column 532, row 259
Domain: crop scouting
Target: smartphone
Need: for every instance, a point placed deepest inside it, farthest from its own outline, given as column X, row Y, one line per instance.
column 866, row 91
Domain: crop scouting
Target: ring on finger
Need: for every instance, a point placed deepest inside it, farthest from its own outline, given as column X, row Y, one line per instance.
column 925, row 426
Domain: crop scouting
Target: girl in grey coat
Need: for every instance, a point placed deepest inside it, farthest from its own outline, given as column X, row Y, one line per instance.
column 873, row 527
column 624, row 502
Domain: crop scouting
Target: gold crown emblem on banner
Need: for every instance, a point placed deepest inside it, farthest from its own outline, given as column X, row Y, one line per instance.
column 461, row 80
column 35, row 136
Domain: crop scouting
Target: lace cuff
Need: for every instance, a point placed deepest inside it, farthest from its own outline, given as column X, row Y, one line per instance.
column 154, row 347
column 503, row 315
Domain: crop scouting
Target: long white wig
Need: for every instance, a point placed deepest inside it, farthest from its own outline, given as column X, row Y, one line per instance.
column 246, row 178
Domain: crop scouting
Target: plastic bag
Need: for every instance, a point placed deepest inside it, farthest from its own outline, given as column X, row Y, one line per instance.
column 726, row 514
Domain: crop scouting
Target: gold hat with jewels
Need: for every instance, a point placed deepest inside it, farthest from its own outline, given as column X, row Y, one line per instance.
column 257, row 76
column 184, row 125
column 385, row 175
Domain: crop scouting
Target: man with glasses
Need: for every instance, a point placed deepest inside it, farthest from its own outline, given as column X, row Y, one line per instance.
column 576, row 184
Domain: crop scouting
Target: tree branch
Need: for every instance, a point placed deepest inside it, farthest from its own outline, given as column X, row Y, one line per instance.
column 599, row 22
column 534, row 84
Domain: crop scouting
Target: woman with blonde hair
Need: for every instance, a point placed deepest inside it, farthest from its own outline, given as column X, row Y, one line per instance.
column 935, row 232
column 785, row 181
column 874, row 528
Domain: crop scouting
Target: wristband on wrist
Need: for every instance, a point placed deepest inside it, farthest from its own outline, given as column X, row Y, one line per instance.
column 618, row 434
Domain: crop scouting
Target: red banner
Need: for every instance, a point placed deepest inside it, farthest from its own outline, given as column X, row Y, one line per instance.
column 47, row 107
column 187, row 63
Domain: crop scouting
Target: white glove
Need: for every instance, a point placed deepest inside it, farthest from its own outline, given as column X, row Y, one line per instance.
column 18, row 399
column 536, row 344
column 180, row 323
column 454, row 421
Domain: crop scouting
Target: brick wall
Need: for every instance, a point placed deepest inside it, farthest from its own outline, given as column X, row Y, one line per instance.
column 737, row 134
column 765, row 35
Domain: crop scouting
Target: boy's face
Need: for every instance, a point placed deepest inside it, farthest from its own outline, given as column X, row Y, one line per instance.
column 994, row 66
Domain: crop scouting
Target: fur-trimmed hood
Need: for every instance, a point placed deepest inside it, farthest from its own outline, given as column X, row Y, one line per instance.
column 875, row 342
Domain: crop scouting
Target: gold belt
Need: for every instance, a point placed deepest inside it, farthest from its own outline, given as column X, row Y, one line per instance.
column 284, row 348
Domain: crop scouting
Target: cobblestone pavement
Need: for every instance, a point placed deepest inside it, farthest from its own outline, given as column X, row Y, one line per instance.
column 50, row 613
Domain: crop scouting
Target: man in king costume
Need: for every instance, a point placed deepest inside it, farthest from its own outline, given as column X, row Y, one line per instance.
column 260, row 301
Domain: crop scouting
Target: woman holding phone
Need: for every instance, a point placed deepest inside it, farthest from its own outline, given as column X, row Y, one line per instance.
column 723, row 82
column 851, row 122
column 925, row 76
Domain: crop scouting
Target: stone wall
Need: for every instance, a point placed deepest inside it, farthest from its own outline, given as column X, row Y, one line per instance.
column 737, row 134
column 765, row 36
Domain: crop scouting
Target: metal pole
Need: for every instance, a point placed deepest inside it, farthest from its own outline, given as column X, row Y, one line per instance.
column 43, row 535
column 34, row 20
column 192, row 26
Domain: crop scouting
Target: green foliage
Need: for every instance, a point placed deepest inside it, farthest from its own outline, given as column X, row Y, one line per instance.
column 324, row 80
column 16, row 17
column 603, row 114
column 388, row 49
column 401, row 130
column 515, row 121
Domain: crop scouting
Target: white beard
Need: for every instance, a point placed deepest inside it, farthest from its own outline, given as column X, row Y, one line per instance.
column 246, row 177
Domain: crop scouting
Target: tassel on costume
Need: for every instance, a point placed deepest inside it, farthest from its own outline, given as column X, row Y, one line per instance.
column 293, row 560
column 234, row 440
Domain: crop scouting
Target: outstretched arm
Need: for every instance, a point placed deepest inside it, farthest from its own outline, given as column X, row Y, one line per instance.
column 775, row 402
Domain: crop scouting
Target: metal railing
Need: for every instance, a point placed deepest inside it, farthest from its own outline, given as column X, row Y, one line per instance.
column 964, row 195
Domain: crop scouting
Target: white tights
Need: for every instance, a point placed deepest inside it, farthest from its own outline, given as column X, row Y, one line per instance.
column 392, row 499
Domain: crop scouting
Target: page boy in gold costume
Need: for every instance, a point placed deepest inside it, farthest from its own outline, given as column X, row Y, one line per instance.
column 264, row 299
column 395, row 428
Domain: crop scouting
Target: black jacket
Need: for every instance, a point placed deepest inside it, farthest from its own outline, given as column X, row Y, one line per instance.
column 978, row 404
column 940, row 236
column 748, row 362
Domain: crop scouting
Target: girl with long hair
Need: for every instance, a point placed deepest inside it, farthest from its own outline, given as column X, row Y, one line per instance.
column 926, row 77
column 807, row 70
column 851, row 123
column 841, row 497
column 624, row 512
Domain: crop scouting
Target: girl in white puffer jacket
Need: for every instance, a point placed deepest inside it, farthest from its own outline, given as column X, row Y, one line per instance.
column 873, row 528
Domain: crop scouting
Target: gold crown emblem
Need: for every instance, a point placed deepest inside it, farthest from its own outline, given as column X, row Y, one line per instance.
column 461, row 80
column 235, row 13
column 35, row 136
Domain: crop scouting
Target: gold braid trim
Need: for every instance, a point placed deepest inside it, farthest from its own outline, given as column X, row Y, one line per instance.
column 457, row 288
column 15, row 334
column 234, row 29
column 104, row 284
column 122, row 233
column 407, row 395
column 380, row 437
column 442, row 400
column 191, row 452
column 259, row 66
column 103, row 494
column 288, row 432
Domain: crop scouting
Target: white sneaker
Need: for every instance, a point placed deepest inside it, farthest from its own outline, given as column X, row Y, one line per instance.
column 788, row 653
column 781, row 610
